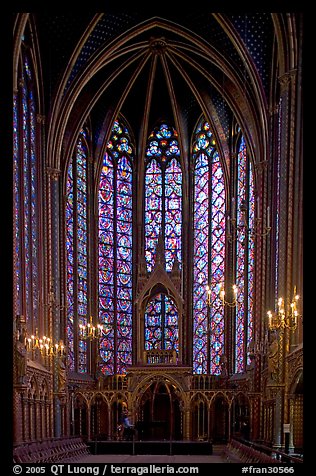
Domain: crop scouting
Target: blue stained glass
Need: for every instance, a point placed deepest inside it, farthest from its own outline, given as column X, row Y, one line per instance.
column 209, row 253
column 77, row 253
column 26, row 189
column 245, row 261
column 166, row 206
column 161, row 324
column 115, row 226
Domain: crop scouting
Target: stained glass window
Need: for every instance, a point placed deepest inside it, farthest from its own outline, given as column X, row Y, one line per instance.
column 161, row 324
column 278, row 197
column 77, row 254
column 244, row 259
column 208, row 253
column 26, row 173
column 163, row 195
column 115, row 202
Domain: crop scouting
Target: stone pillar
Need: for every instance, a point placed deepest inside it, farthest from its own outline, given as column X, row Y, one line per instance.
column 278, row 419
column 110, row 425
column 89, row 421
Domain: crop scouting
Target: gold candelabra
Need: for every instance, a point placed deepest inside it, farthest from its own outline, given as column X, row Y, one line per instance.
column 32, row 343
column 232, row 303
column 90, row 331
column 242, row 227
column 44, row 345
column 285, row 316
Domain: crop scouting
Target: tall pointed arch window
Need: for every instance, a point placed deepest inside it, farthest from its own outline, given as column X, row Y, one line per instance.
column 163, row 195
column 115, row 205
column 27, row 195
column 244, row 258
column 276, row 213
column 77, row 253
column 208, row 252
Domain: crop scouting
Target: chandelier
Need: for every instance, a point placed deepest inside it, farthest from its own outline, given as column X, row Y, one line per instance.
column 35, row 343
column 238, row 231
column 89, row 331
column 232, row 303
column 44, row 345
column 285, row 316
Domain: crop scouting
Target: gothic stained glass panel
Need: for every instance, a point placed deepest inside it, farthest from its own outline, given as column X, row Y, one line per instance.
column 161, row 324
column 16, row 194
column 173, row 212
column 82, row 247
column 115, row 253
column 153, row 210
column 26, row 192
column 244, row 261
column 77, row 254
column 70, row 266
column 208, row 253
column 163, row 196
column 251, row 260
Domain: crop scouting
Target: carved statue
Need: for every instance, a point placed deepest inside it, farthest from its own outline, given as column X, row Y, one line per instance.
column 20, row 358
column 273, row 359
column 223, row 362
column 62, row 377
column 99, row 376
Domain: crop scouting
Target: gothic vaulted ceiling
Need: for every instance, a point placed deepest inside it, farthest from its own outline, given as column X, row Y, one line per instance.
column 155, row 66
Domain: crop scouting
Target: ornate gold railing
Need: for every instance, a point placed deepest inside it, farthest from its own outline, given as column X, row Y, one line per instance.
column 160, row 357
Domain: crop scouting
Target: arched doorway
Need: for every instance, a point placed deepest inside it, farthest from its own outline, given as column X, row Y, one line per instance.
column 240, row 416
column 159, row 415
column 200, row 416
column 99, row 419
column 80, row 416
column 220, row 419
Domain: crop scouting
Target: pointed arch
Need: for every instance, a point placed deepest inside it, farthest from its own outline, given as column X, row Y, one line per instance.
column 163, row 195
column 208, row 252
column 77, row 219
column 115, row 251
column 27, row 189
column 245, row 256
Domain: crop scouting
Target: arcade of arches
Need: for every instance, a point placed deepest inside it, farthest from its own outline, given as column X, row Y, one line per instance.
column 156, row 155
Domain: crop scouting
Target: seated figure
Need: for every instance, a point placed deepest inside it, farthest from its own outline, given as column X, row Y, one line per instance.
column 128, row 428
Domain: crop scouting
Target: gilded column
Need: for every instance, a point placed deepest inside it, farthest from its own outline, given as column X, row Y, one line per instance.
column 187, row 424
column 291, row 442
